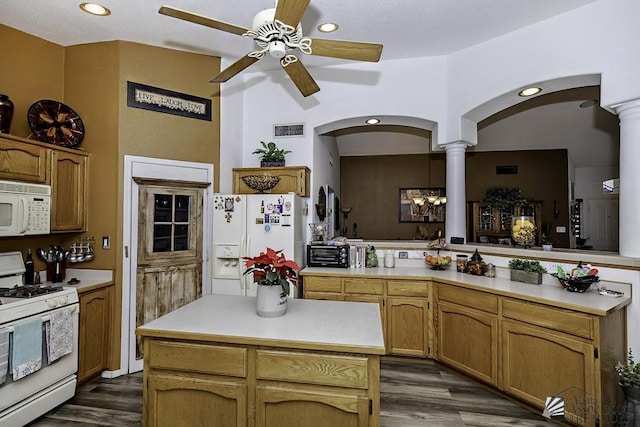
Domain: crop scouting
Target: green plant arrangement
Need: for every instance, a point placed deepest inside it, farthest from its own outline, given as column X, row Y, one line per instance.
column 629, row 372
column 500, row 197
column 526, row 265
column 526, row 271
column 270, row 154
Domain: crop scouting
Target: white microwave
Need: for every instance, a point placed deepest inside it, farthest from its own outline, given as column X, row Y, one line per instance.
column 25, row 209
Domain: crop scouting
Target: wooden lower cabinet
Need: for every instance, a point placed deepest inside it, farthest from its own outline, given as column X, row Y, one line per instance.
column 538, row 364
column 210, row 383
column 408, row 326
column 95, row 332
column 468, row 341
column 175, row 400
column 278, row 406
column 531, row 351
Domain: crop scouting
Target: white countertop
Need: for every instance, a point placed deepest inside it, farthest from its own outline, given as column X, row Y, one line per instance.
column 552, row 294
column 88, row 278
column 308, row 324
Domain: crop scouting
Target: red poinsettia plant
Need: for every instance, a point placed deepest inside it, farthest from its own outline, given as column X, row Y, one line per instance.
column 271, row 268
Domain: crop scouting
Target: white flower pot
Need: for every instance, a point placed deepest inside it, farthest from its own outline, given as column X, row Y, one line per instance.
column 271, row 301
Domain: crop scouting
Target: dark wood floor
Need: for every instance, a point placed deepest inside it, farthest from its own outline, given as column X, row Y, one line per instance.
column 412, row 394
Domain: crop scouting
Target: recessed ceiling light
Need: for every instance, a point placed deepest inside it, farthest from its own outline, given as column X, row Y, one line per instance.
column 372, row 121
column 95, row 9
column 588, row 103
column 529, row 91
column 327, row 27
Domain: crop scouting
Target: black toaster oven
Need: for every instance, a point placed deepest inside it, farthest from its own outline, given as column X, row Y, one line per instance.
column 328, row 256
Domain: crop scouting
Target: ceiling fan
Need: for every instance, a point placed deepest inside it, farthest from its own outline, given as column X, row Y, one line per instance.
column 277, row 31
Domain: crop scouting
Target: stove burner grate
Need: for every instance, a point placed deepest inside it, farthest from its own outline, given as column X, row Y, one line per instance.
column 28, row 291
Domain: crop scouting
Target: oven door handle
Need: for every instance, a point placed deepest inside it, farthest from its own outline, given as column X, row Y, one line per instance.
column 45, row 319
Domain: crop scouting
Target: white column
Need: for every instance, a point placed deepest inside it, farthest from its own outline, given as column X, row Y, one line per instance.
column 629, row 114
column 455, row 222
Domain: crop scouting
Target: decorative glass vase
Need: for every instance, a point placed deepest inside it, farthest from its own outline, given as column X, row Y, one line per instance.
column 6, row 113
column 523, row 230
column 271, row 301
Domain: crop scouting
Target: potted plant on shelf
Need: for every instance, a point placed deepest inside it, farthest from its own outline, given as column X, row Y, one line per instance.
column 526, row 271
column 274, row 275
column 629, row 373
column 271, row 155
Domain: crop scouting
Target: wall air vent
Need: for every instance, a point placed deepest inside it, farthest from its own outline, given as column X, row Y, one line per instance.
column 288, row 130
column 506, row 170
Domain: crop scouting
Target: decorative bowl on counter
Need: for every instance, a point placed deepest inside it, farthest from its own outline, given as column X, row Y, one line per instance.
column 261, row 183
column 576, row 284
column 438, row 261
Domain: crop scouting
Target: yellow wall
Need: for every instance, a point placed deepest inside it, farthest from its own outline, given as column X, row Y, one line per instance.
column 32, row 69
column 92, row 79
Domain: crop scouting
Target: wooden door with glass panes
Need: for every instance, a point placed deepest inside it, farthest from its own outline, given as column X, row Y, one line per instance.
column 169, row 268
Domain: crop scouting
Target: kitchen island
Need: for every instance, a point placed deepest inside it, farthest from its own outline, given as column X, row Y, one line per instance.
column 528, row 341
column 215, row 359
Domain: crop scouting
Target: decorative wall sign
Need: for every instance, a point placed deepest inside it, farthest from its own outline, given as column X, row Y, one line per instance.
column 168, row 101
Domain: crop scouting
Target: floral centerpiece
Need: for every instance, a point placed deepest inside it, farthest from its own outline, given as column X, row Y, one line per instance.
column 274, row 274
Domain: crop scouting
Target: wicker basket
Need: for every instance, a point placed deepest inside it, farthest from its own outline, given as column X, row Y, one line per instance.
column 577, row 284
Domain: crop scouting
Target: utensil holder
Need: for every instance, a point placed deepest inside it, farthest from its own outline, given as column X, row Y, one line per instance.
column 56, row 271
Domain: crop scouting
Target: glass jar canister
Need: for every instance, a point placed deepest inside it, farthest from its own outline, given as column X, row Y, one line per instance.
column 461, row 263
column 6, row 113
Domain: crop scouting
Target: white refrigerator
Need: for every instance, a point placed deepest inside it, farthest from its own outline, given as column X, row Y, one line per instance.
column 245, row 225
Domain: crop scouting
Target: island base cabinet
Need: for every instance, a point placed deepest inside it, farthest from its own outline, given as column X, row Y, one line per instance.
column 538, row 364
column 468, row 341
column 190, row 401
column 276, row 406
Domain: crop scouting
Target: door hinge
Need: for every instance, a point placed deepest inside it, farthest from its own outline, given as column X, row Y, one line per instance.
column 428, row 306
column 595, row 353
column 370, row 406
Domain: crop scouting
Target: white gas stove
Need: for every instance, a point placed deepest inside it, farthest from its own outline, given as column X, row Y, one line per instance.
column 26, row 399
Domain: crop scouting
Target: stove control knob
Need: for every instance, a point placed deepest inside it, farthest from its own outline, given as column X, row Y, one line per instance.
column 63, row 300
column 52, row 303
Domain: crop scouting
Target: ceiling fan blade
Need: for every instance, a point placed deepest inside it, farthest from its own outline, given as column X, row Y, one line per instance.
column 202, row 20
column 290, row 11
column 234, row 69
column 357, row 51
column 301, row 77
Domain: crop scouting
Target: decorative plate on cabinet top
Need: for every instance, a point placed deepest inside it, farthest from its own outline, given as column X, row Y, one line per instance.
column 55, row 123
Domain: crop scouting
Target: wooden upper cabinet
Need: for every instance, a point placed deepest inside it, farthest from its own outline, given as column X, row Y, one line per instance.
column 64, row 169
column 293, row 179
column 68, row 191
column 21, row 161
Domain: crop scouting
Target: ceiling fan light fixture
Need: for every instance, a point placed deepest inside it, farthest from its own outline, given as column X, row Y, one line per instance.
column 530, row 91
column 328, row 27
column 277, row 49
column 95, row 9
column 372, row 121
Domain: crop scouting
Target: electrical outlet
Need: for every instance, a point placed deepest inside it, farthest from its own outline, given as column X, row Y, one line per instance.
column 403, row 255
column 561, row 229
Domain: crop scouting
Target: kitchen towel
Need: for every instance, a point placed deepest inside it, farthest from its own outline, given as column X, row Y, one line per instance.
column 4, row 354
column 26, row 354
column 59, row 334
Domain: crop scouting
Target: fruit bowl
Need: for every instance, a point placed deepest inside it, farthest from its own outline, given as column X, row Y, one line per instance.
column 576, row 284
column 261, row 183
column 438, row 262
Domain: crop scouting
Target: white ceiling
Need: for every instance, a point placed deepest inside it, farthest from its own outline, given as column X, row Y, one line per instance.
column 406, row 28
